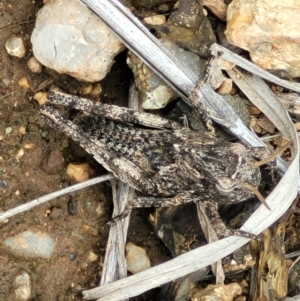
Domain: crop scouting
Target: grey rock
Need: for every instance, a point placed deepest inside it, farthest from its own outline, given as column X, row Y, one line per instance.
column 38, row 244
column 78, row 42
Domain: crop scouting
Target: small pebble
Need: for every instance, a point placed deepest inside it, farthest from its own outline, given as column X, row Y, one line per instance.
column 218, row 292
column 73, row 207
column 73, row 256
column 8, row 130
column 136, row 258
column 22, row 130
column 84, row 266
column 92, row 256
column 23, row 82
column 79, row 172
column 34, row 65
column 297, row 126
column 4, row 184
column 6, row 81
column 86, row 89
column 226, row 86
column 29, row 145
column 53, row 163
column 44, row 134
column 90, row 230
column 20, row 154
column 55, row 213
column 248, row 258
column 40, row 97
column 244, row 283
column 101, row 209
column 155, row 20
column 23, row 287
column 96, row 91
column 15, row 47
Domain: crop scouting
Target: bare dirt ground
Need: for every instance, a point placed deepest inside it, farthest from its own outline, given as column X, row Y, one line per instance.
column 22, row 178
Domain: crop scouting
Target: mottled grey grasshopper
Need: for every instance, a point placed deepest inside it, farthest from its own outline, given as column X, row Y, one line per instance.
column 167, row 163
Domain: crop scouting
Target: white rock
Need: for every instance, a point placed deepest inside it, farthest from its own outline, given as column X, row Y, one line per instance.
column 269, row 30
column 34, row 65
column 23, row 287
column 15, row 47
column 136, row 258
column 153, row 91
column 71, row 39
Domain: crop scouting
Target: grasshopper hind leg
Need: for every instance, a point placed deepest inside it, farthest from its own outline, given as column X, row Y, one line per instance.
column 153, row 201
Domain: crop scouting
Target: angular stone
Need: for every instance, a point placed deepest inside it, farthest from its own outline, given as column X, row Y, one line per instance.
column 15, row 47
column 78, row 42
column 23, row 287
column 153, row 91
column 218, row 292
column 53, row 163
column 269, row 30
column 136, row 258
column 38, row 244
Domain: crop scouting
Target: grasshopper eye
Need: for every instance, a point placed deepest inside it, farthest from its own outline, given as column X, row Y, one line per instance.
column 225, row 184
column 238, row 149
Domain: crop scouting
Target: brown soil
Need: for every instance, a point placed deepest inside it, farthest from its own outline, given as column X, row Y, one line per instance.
column 22, row 178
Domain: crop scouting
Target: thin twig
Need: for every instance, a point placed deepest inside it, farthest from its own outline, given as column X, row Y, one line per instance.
column 114, row 266
column 271, row 137
column 53, row 195
column 211, row 236
column 43, row 85
column 292, row 255
column 15, row 24
column 11, row 93
column 225, row 54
